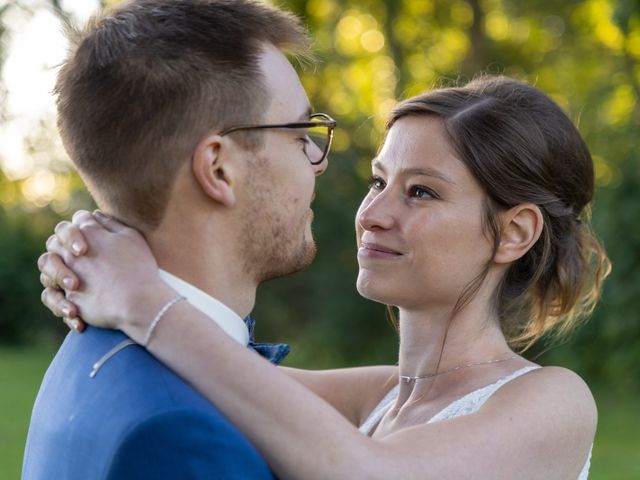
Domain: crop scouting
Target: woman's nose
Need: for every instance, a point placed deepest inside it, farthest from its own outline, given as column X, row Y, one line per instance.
column 375, row 213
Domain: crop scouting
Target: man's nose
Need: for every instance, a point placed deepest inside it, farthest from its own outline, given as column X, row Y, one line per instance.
column 320, row 168
column 316, row 154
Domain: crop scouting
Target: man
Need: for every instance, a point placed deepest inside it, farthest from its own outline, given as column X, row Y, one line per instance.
column 186, row 121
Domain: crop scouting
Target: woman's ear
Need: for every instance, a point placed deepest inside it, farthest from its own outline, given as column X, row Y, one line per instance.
column 213, row 168
column 521, row 229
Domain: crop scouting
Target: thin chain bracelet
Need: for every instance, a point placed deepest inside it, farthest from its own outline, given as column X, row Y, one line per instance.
column 157, row 318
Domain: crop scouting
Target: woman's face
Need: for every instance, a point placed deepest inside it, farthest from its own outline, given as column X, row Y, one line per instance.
column 419, row 229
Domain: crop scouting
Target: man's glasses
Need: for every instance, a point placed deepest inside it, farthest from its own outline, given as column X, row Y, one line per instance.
column 319, row 133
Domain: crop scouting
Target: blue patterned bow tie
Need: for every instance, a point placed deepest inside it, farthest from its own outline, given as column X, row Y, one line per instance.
column 274, row 352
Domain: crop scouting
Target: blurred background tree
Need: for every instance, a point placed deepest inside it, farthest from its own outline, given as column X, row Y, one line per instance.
column 38, row 186
column 372, row 52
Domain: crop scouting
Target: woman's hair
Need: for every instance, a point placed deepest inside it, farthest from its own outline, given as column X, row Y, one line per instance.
column 522, row 148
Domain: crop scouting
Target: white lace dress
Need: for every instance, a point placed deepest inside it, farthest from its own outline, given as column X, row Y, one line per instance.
column 465, row 405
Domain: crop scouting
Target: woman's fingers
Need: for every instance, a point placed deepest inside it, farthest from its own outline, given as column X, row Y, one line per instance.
column 75, row 324
column 54, row 300
column 109, row 223
column 70, row 236
column 55, row 246
column 81, row 216
column 55, row 273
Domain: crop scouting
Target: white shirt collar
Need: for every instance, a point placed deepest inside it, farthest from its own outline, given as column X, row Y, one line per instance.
column 217, row 311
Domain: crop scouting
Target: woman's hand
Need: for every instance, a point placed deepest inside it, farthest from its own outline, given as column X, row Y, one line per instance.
column 56, row 275
column 107, row 273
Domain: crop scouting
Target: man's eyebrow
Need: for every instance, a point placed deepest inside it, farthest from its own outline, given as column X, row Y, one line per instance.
column 426, row 171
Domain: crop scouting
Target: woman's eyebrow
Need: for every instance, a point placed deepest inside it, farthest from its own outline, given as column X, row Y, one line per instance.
column 426, row 171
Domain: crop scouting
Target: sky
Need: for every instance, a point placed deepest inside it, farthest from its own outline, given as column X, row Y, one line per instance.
column 34, row 46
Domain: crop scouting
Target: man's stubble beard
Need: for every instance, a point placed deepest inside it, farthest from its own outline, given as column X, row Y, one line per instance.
column 271, row 247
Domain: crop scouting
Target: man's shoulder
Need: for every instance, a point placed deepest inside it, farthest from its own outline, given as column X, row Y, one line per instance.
column 96, row 388
column 98, row 383
column 82, row 423
column 105, row 361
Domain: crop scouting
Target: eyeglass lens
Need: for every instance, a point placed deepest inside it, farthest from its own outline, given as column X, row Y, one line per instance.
column 320, row 137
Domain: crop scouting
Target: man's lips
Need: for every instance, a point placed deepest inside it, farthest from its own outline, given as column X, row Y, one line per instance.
column 375, row 249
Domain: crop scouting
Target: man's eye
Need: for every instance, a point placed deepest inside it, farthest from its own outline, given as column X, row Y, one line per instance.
column 376, row 183
column 418, row 191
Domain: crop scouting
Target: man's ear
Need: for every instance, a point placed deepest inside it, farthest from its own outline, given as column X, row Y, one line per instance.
column 214, row 169
column 521, row 229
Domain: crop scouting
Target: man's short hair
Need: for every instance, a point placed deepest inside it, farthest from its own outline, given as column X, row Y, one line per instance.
column 146, row 80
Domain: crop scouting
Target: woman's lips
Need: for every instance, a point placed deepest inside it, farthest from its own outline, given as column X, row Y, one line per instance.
column 375, row 250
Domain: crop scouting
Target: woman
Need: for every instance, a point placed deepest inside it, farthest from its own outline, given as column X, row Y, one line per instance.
column 476, row 228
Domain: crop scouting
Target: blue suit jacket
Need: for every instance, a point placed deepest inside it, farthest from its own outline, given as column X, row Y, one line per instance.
column 135, row 419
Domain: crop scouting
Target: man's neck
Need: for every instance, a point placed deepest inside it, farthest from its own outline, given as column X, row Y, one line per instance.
column 211, row 270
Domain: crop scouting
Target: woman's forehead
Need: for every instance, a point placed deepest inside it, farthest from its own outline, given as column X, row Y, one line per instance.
column 417, row 142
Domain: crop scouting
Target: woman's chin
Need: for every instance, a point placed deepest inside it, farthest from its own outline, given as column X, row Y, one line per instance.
column 373, row 291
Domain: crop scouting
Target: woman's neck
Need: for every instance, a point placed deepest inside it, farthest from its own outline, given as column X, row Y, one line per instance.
column 437, row 341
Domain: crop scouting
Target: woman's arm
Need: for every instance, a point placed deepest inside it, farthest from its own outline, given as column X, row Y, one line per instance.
column 530, row 429
column 537, row 426
column 354, row 392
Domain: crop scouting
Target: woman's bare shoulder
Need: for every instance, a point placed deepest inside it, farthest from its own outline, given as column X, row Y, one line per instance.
column 557, row 384
column 553, row 397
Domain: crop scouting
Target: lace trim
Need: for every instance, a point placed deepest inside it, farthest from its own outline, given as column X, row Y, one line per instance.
column 472, row 402
column 456, row 408
column 376, row 415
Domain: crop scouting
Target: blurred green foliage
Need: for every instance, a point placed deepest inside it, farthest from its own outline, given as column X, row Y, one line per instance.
column 584, row 53
column 19, row 294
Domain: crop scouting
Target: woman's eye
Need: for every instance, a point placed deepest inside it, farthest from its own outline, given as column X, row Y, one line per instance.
column 421, row 192
column 376, row 183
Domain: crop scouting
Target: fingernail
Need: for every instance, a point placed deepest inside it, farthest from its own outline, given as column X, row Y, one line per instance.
column 66, row 311
column 67, row 282
column 74, row 324
column 76, row 247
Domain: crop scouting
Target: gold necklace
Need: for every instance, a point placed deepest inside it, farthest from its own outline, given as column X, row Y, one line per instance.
column 408, row 378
